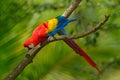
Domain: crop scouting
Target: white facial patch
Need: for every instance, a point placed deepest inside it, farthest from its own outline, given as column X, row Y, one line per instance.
column 31, row 45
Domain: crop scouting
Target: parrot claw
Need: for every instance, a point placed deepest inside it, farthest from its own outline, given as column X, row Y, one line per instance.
column 51, row 37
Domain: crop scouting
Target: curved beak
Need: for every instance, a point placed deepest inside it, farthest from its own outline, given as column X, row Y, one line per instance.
column 27, row 48
column 30, row 46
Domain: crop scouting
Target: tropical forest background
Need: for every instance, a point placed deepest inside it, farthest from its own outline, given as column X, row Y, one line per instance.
column 57, row 61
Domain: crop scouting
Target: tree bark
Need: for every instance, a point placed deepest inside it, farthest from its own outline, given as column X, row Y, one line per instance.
column 31, row 53
column 71, row 8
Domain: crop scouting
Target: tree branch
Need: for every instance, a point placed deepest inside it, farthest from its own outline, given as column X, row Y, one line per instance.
column 75, row 36
column 31, row 53
column 71, row 8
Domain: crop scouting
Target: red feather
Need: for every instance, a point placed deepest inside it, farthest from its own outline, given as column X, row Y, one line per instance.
column 81, row 52
column 39, row 35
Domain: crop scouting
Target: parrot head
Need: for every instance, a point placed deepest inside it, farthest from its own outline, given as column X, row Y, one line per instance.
column 28, row 44
column 33, row 41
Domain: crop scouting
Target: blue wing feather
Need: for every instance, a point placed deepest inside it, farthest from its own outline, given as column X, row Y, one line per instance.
column 62, row 22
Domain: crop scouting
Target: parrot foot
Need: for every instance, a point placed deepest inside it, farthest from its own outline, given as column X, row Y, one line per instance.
column 51, row 37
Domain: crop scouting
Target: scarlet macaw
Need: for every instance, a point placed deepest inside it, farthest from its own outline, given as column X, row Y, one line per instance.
column 50, row 28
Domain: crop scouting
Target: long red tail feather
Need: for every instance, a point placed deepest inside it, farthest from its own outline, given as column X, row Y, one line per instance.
column 81, row 52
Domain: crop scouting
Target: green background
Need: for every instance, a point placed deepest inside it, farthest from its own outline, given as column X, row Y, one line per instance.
column 57, row 61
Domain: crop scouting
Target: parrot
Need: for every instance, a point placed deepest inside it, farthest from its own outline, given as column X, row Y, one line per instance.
column 51, row 27
column 46, row 30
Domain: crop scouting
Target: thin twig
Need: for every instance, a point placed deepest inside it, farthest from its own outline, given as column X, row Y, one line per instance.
column 71, row 8
column 75, row 36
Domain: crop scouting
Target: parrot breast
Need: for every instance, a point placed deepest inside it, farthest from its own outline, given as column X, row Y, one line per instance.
column 40, row 33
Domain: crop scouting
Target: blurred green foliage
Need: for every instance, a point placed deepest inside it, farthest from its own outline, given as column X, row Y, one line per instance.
column 57, row 61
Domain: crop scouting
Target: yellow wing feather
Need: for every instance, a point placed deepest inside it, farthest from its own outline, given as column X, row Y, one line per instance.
column 52, row 24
